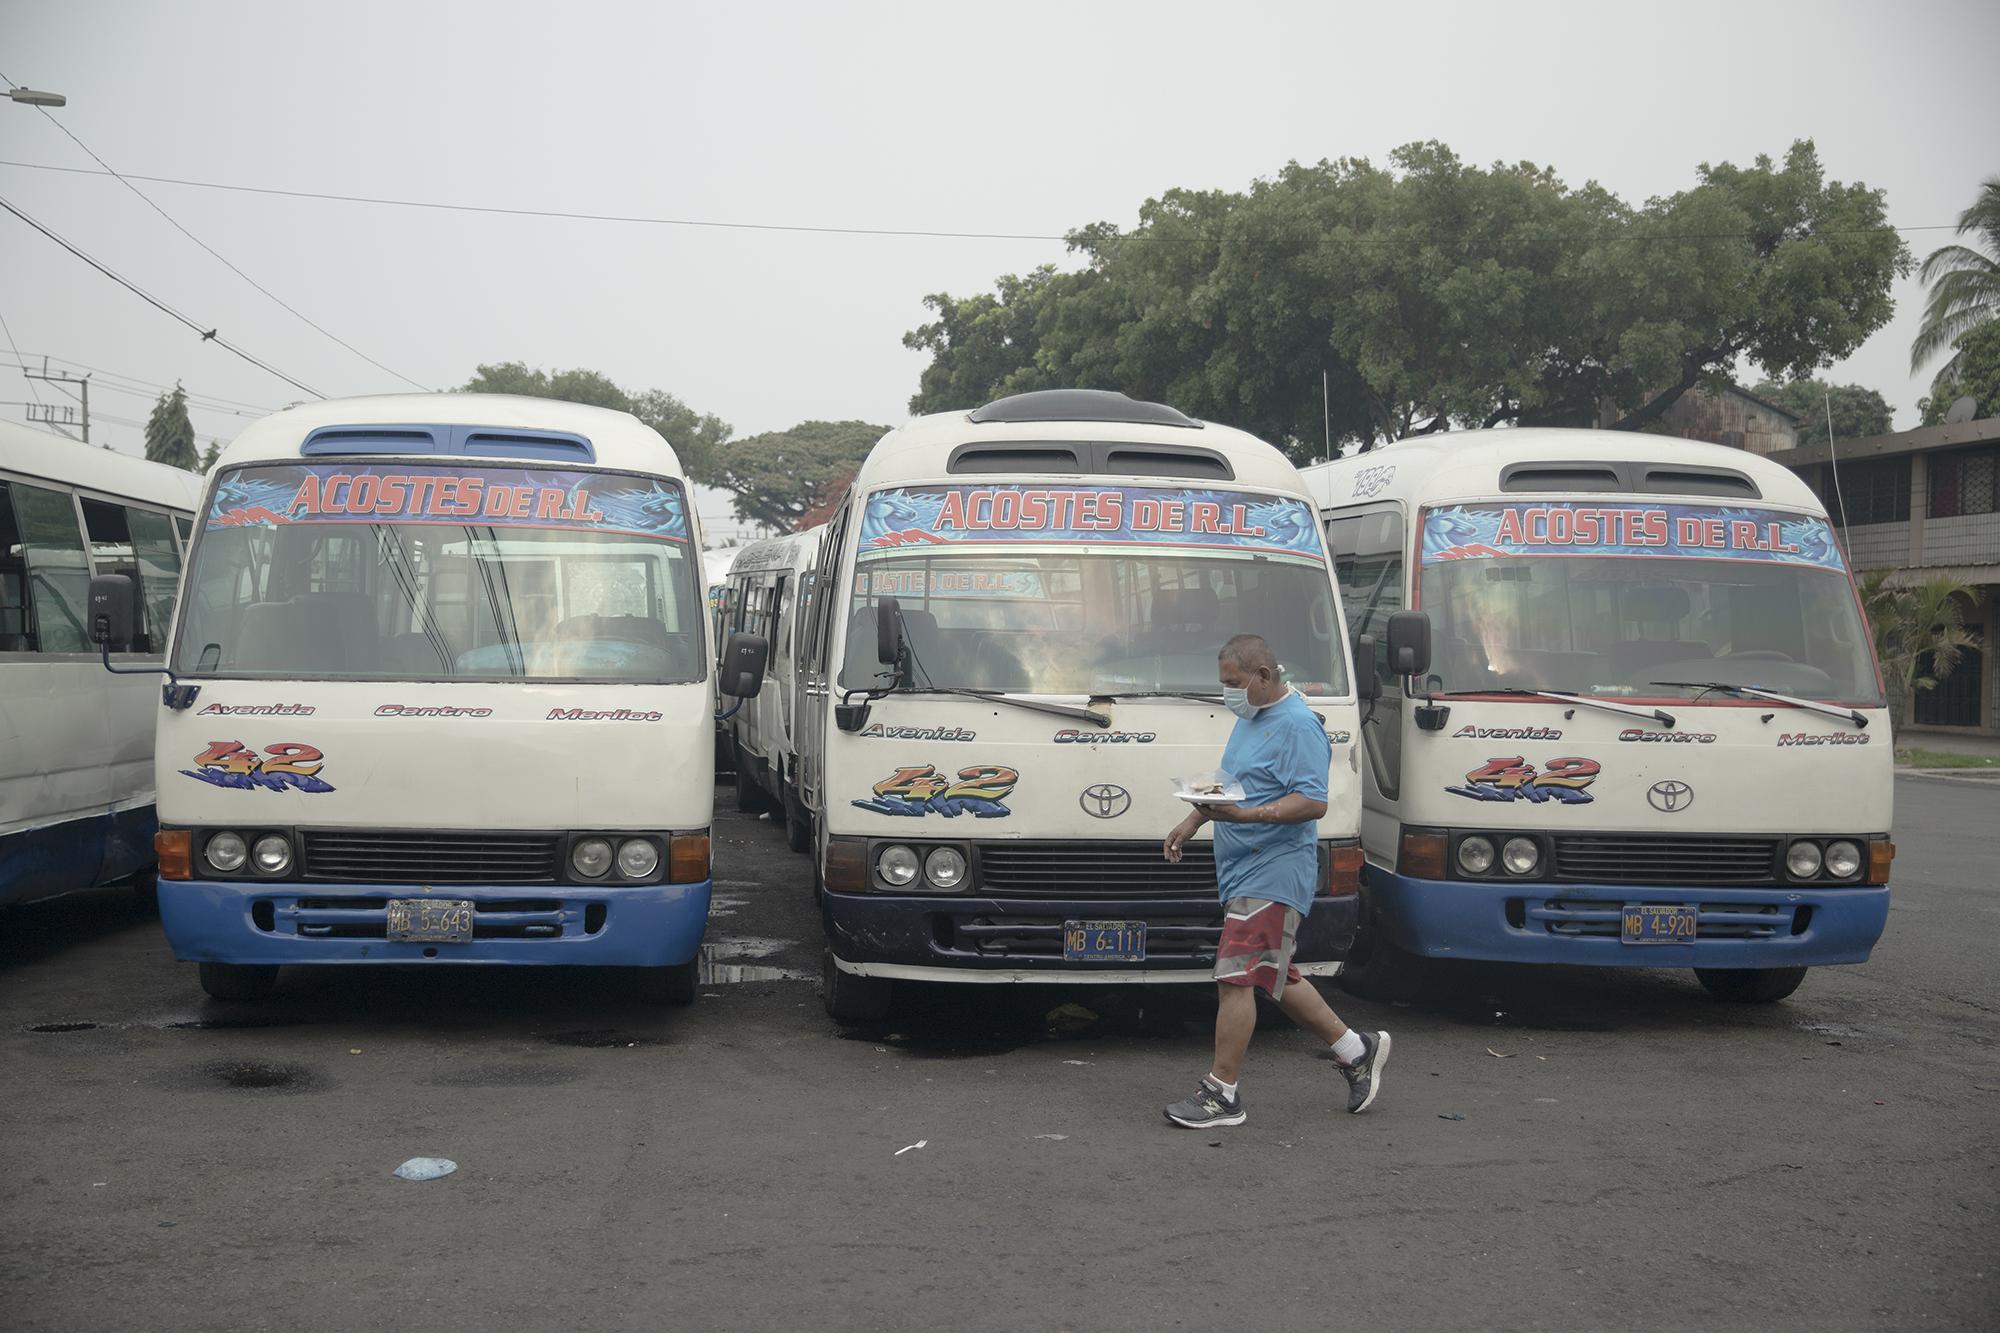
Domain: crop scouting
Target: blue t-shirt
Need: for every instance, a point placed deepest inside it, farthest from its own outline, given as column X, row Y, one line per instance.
column 1281, row 750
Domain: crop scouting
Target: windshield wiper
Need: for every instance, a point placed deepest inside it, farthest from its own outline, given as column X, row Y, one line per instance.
column 1571, row 697
column 995, row 696
column 1757, row 692
column 1115, row 695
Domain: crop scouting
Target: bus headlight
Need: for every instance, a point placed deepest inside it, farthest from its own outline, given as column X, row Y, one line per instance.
column 225, row 852
column 897, row 865
column 590, row 858
column 638, row 859
column 1843, row 860
column 272, row 855
column 1803, row 860
column 945, row 868
column 1521, row 856
column 1475, row 855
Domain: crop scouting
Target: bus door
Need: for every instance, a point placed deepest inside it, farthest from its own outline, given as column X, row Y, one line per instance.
column 1368, row 563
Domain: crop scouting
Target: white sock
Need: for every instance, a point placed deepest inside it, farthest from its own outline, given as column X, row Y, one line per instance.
column 1349, row 1048
column 1226, row 1089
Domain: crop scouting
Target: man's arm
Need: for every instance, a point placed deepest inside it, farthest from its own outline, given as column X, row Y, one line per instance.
column 1291, row 808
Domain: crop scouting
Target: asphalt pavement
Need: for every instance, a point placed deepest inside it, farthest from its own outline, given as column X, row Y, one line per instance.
column 1552, row 1148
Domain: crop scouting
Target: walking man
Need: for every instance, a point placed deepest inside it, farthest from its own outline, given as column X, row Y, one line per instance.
column 1267, row 864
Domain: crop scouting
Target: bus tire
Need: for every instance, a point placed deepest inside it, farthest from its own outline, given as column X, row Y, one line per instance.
column 1376, row 968
column 666, row 985
column 750, row 798
column 798, row 824
column 1750, row 985
column 852, row 999
column 238, row 981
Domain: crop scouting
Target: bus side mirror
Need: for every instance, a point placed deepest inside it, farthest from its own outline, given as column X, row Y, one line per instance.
column 114, row 611
column 889, row 632
column 1367, row 683
column 1409, row 643
column 744, row 657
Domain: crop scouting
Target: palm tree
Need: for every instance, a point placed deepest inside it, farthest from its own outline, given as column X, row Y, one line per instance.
column 1964, row 283
column 1919, row 633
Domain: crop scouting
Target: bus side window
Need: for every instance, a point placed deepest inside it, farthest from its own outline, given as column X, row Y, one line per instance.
column 1368, row 564
column 13, row 580
column 159, row 566
column 57, row 568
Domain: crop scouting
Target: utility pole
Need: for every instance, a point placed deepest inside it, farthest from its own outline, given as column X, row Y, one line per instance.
column 63, row 378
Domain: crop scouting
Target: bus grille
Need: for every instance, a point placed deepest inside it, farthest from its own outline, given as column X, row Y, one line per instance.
column 1637, row 858
column 415, row 856
column 1093, row 870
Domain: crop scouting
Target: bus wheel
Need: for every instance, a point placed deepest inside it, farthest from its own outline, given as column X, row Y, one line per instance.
column 1750, row 985
column 852, row 999
column 750, row 798
column 1378, row 969
column 666, row 985
column 798, row 824
column 238, row 981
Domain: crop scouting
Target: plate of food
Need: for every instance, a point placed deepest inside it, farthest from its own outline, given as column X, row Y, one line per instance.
column 1209, row 789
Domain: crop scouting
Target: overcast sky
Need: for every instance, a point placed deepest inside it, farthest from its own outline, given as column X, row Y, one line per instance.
column 1016, row 117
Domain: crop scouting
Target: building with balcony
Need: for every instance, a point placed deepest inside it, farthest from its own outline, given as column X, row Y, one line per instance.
column 1925, row 503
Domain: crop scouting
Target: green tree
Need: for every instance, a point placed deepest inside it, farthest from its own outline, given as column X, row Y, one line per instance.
column 209, row 455
column 696, row 436
column 1858, row 411
column 1964, row 282
column 1975, row 373
column 169, row 433
column 1431, row 293
column 777, row 478
column 1919, row 633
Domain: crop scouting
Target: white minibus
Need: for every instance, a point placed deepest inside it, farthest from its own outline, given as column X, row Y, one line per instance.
column 76, row 743
column 1630, row 714
column 769, row 586
column 439, row 693
column 1012, row 656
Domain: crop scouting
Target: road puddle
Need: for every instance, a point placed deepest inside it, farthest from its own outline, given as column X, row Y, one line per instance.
column 260, row 1076
column 63, row 1027
column 720, row 962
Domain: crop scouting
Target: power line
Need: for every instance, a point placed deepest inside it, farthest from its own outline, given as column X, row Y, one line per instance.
column 33, row 392
column 817, row 230
column 144, row 383
column 208, row 335
column 175, row 224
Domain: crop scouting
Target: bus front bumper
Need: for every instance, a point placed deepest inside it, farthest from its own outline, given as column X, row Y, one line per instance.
column 1512, row 922
column 647, row 925
column 936, row 938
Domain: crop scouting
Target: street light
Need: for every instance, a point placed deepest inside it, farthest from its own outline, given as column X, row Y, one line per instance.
column 31, row 97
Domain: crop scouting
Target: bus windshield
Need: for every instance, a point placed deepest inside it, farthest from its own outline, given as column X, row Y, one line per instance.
column 351, row 572
column 1745, row 597
column 1134, row 621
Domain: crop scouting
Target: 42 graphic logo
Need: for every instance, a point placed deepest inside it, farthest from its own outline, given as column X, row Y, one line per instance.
column 1512, row 779
column 285, row 766
column 980, row 791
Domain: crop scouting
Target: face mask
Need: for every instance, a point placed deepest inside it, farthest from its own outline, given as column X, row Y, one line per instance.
column 1238, row 702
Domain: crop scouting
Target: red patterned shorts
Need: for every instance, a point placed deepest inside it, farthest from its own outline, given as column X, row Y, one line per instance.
column 1257, row 942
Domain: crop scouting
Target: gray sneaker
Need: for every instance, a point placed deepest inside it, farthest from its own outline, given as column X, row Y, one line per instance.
column 1364, row 1076
column 1208, row 1108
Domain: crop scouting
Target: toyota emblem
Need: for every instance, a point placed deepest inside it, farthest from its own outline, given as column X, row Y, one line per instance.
column 1105, row 801
column 1670, row 796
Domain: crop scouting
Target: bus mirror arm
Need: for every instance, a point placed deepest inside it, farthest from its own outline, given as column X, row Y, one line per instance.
column 850, row 716
column 114, row 613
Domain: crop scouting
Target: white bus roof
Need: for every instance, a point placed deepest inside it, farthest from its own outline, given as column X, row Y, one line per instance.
column 1468, row 465
column 618, row 439
column 920, row 451
column 34, row 453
